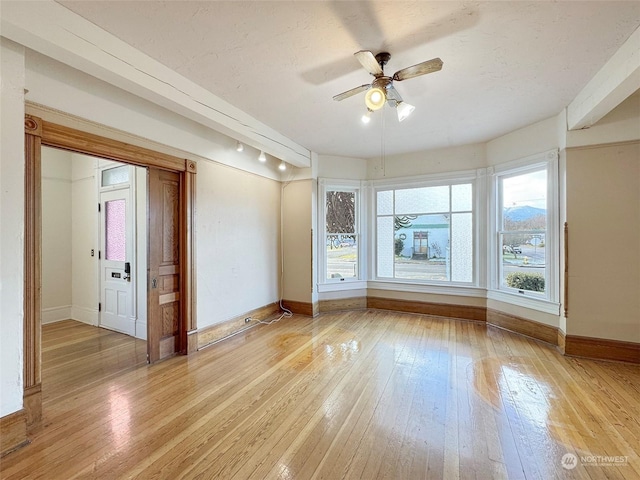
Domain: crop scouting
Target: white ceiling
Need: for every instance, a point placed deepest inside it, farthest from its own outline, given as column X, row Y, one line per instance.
column 506, row 64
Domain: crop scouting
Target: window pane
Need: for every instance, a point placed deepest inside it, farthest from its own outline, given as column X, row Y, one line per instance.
column 385, row 202
column 422, row 247
column 115, row 231
column 461, row 197
column 422, row 200
column 385, row 246
column 523, row 261
column 342, row 256
column 115, row 176
column 461, row 247
column 341, row 212
column 524, row 202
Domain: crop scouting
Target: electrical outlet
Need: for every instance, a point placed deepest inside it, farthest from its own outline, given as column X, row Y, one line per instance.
column 247, row 320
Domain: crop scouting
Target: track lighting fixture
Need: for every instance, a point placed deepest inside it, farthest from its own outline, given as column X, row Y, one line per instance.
column 282, row 166
column 262, row 157
column 239, row 147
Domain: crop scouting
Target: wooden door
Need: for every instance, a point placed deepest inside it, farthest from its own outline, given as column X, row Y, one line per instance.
column 164, row 322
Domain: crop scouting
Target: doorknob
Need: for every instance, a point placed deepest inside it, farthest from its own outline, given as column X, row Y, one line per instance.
column 127, row 272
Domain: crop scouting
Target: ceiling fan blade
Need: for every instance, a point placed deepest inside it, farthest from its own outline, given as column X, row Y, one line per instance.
column 393, row 97
column 351, row 92
column 369, row 62
column 430, row 66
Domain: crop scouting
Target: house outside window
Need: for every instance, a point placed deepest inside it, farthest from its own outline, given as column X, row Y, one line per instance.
column 425, row 234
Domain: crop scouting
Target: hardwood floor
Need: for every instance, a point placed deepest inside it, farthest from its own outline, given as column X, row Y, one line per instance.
column 363, row 395
column 76, row 356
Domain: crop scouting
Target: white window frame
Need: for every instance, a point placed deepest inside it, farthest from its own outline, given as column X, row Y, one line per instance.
column 332, row 284
column 427, row 286
column 549, row 300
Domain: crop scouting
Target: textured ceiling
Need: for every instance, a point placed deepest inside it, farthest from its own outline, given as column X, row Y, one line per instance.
column 506, row 64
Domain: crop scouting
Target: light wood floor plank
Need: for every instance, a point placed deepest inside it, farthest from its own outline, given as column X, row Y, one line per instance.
column 367, row 394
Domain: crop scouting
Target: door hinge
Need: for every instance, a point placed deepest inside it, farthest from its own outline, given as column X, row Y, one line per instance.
column 99, row 306
column 99, row 255
column 98, row 207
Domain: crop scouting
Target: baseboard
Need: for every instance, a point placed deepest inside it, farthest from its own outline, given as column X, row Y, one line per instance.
column 140, row 329
column 56, row 314
column 13, row 432
column 192, row 341
column 338, row 304
column 32, row 402
column 300, row 308
column 85, row 315
column 465, row 312
column 520, row 325
column 561, row 341
column 213, row 333
column 602, row 349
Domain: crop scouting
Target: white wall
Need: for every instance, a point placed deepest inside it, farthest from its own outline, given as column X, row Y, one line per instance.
column 536, row 138
column 141, row 252
column 297, row 200
column 238, row 238
column 331, row 166
column 56, row 235
column 620, row 125
column 603, row 214
column 12, row 232
column 65, row 89
column 84, row 238
column 444, row 160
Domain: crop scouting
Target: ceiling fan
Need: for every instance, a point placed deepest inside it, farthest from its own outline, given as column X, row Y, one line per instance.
column 381, row 90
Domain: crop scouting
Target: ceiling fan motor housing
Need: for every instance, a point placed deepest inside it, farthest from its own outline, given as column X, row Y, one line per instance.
column 382, row 82
column 383, row 58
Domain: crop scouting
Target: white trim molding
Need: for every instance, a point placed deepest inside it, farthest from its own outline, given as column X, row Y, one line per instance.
column 532, row 303
column 56, row 314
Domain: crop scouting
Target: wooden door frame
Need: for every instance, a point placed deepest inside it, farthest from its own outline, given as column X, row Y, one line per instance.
column 40, row 133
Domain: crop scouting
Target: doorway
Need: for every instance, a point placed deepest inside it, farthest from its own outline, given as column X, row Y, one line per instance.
column 94, row 242
column 40, row 133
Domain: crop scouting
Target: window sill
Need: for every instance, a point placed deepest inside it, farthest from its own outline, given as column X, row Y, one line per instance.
column 539, row 304
column 353, row 284
column 455, row 289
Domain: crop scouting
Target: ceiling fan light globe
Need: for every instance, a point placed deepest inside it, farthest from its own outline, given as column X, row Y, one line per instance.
column 404, row 110
column 366, row 118
column 375, row 98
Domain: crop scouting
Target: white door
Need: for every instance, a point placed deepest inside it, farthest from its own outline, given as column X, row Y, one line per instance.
column 116, row 260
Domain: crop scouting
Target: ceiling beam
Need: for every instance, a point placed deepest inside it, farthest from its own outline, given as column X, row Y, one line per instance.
column 52, row 30
column 614, row 82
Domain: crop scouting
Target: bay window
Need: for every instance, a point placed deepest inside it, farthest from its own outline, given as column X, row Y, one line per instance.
column 341, row 236
column 526, row 237
column 425, row 234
